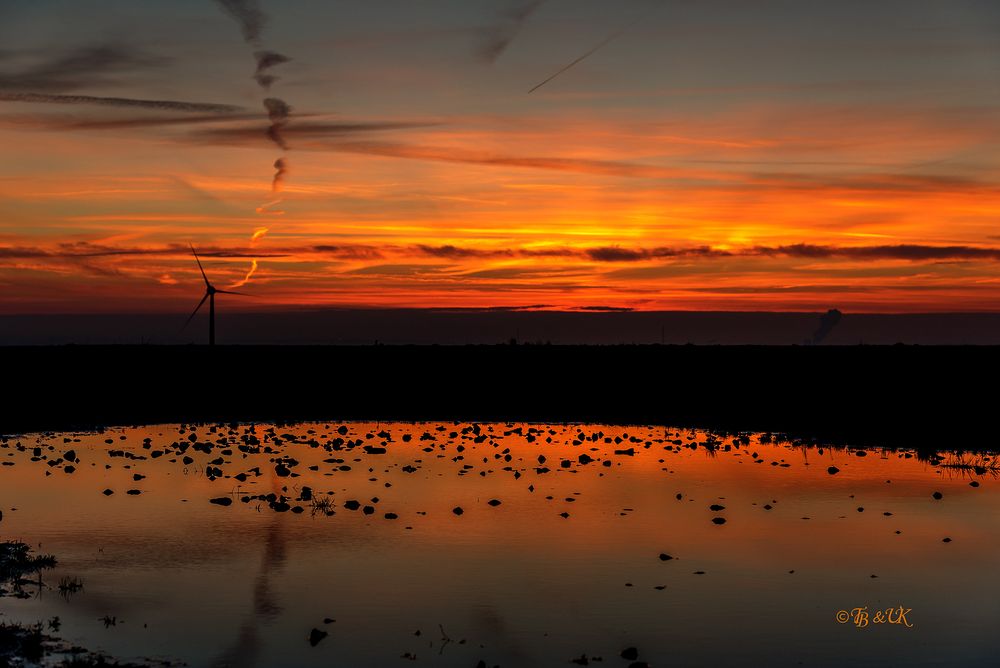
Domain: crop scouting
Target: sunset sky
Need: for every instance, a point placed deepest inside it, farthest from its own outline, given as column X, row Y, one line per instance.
column 714, row 155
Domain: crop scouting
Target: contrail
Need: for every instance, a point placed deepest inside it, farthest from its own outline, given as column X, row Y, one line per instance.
column 246, row 279
column 251, row 20
column 594, row 50
column 170, row 105
column 277, row 184
column 513, row 20
column 248, row 15
column 265, row 61
column 278, row 112
column 281, row 168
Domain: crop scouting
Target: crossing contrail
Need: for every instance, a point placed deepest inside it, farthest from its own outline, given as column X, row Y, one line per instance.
column 592, row 51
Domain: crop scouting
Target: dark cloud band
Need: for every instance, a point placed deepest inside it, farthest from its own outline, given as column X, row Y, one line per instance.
column 164, row 105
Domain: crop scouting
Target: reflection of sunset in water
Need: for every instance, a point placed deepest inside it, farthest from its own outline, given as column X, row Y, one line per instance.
column 566, row 563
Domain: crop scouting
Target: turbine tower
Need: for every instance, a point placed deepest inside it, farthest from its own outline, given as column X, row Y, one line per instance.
column 210, row 292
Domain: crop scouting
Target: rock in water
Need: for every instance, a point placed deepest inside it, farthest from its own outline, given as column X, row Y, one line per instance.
column 316, row 637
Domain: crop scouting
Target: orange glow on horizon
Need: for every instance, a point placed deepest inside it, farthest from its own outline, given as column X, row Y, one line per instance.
column 709, row 215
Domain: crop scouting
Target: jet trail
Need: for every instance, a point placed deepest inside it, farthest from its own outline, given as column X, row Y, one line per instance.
column 591, row 52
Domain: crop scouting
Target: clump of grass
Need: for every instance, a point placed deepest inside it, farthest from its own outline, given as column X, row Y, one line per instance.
column 17, row 562
column 23, row 642
column 979, row 464
column 322, row 506
column 69, row 586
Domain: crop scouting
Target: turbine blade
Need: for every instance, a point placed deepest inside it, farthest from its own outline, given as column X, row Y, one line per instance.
column 195, row 312
column 199, row 265
column 230, row 292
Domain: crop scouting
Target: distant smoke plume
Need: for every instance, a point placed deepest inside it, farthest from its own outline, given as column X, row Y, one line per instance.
column 500, row 36
column 249, row 17
column 826, row 324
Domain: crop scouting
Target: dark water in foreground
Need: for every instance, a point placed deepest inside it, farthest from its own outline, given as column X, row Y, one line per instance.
column 568, row 563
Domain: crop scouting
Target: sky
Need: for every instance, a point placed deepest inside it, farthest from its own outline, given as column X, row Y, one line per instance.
column 780, row 155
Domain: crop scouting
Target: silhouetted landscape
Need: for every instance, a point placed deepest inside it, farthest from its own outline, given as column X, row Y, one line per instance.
column 882, row 395
column 427, row 326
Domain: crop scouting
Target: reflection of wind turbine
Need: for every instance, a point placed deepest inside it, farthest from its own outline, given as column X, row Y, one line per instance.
column 210, row 292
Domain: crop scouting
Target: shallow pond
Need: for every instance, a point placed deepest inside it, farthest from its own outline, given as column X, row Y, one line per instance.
column 570, row 541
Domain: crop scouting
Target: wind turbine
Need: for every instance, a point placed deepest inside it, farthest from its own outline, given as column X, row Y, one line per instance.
column 210, row 292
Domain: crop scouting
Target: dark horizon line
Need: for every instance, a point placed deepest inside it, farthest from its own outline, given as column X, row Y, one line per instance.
column 602, row 310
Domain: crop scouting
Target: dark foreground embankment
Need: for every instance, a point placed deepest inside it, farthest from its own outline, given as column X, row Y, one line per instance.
column 920, row 396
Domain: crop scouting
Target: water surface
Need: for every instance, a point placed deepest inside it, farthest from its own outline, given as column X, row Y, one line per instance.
column 568, row 563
